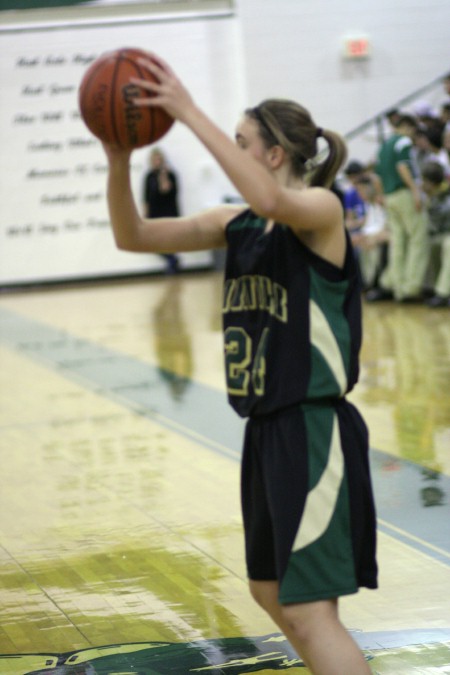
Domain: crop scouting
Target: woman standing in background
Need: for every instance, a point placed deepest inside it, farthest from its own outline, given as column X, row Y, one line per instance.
column 161, row 197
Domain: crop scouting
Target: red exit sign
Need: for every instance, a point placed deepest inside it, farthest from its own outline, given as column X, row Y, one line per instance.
column 357, row 47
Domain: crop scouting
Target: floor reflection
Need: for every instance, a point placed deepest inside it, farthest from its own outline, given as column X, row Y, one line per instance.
column 173, row 345
column 119, row 491
column 404, row 387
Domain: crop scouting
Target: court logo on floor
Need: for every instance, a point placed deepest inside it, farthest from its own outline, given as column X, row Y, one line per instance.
column 227, row 656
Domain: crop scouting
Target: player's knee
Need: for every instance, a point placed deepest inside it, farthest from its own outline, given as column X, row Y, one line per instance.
column 297, row 621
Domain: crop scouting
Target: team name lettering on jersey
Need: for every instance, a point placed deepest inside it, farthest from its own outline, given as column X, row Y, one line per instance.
column 256, row 292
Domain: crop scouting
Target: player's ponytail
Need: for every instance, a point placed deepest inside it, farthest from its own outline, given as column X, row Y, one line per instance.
column 325, row 172
column 288, row 124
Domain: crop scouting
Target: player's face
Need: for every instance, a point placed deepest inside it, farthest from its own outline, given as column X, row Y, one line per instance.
column 249, row 140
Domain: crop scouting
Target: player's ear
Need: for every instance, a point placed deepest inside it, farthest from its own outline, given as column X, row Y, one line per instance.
column 276, row 156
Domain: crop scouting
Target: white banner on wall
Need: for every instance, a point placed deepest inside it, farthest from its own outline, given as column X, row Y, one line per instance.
column 54, row 223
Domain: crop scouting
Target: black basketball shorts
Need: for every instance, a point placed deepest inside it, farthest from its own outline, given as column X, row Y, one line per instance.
column 308, row 507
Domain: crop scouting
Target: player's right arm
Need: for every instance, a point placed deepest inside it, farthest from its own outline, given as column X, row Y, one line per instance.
column 132, row 232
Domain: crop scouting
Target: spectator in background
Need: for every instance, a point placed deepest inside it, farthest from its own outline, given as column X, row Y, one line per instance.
column 338, row 191
column 447, row 85
column 435, row 137
column 408, row 247
column 372, row 239
column 354, row 207
column 437, row 189
column 424, row 113
column 445, row 114
column 446, row 140
column 384, row 126
column 393, row 116
column 161, row 197
column 421, row 148
column 429, row 147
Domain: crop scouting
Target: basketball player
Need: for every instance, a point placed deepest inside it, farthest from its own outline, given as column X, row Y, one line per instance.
column 292, row 332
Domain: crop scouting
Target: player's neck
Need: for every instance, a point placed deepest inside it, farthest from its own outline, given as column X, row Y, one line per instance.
column 285, row 177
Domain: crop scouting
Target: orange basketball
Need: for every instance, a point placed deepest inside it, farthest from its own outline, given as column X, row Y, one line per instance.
column 106, row 101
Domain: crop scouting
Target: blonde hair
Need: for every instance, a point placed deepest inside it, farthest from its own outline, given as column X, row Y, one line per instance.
column 290, row 125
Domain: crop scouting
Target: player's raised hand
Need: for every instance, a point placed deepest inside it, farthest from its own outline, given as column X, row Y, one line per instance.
column 168, row 92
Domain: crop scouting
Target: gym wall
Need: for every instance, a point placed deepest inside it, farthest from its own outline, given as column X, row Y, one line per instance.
column 54, row 224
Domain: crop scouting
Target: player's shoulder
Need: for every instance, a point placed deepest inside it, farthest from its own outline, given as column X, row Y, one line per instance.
column 230, row 212
column 322, row 198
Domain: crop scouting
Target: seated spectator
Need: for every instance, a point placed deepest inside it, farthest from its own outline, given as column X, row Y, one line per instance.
column 371, row 240
column 445, row 113
column 436, row 152
column 338, row 191
column 446, row 84
column 446, row 140
column 354, row 207
column 421, row 149
column 437, row 189
column 424, row 113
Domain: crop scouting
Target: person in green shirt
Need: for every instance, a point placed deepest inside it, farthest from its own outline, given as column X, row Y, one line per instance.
column 408, row 252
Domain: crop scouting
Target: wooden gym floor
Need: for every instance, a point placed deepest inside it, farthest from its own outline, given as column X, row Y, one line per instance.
column 120, row 530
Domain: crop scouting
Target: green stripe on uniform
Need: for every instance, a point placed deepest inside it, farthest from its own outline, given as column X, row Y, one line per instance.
column 321, row 563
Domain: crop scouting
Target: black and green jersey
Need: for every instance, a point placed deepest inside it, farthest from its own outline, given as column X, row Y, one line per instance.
column 292, row 320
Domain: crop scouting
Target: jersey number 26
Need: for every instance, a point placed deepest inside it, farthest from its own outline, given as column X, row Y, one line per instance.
column 241, row 370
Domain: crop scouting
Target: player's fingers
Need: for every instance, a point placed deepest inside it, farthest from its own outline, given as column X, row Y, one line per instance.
column 157, row 61
column 152, row 101
column 154, row 68
column 146, row 84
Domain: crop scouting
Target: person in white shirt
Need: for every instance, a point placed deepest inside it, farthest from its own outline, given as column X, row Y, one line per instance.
column 373, row 236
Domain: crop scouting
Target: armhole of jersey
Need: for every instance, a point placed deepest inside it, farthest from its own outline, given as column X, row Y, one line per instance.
column 325, row 268
column 245, row 210
column 350, row 269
